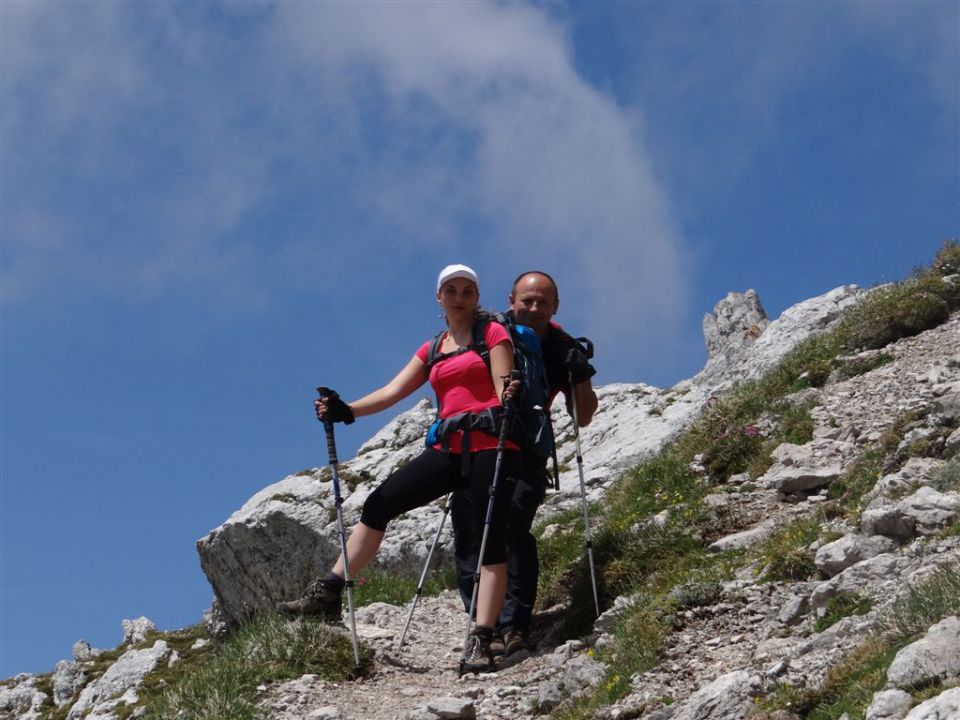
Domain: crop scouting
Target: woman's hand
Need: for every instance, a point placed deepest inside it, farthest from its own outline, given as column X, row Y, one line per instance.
column 320, row 407
column 511, row 390
column 329, row 407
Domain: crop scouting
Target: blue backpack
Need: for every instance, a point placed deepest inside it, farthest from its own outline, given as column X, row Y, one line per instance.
column 532, row 429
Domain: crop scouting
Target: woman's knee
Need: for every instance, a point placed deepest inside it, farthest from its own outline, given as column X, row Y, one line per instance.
column 375, row 513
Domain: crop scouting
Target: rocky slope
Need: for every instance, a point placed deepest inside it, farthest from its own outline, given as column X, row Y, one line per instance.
column 751, row 636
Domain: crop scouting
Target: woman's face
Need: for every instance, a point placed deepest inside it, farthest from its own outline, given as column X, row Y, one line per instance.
column 458, row 297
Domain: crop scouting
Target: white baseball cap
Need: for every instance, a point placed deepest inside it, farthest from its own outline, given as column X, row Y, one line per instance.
column 456, row 271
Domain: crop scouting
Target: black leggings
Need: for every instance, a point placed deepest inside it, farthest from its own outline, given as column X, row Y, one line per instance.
column 431, row 475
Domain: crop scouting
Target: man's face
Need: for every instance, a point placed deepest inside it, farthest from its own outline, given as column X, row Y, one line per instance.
column 534, row 301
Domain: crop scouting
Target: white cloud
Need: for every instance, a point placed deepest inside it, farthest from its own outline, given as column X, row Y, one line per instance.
column 553, row 164
column 417, row 121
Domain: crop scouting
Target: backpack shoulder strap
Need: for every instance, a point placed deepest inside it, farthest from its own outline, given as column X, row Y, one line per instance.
column 434, row 353
column 478, row 342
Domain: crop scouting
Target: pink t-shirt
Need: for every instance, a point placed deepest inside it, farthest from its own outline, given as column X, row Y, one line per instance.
column 463, row 384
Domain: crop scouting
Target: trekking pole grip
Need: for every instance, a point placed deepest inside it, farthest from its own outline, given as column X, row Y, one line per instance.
column 324, row 393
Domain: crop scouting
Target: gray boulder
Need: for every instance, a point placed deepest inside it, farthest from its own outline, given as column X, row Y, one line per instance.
column 925, row 512
column 136, row 631
column 837, row 556
column 272, row 547
column 946, row 408
column 22, row 698
column 118, row 685
column 68, row 678
column 82, row 650
column 867, row 577
column 915, row 472
column 945, row 706
column 734, row 325
column 935, row 657
column 889, row 705
column 729, row 696
column 446, row 708
column 799, row 479
column 738, row 352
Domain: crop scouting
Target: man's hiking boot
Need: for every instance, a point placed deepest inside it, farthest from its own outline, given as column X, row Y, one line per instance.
column 478, row 658
column 515, row 640
column 321, row 599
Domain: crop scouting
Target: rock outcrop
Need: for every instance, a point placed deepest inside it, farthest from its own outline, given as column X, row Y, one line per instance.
column 271, row 548
column 741, row 640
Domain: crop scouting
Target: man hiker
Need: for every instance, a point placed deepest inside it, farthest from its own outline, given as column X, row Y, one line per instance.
column 534, row 300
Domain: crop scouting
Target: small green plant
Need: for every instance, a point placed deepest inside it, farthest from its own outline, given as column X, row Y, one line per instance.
column 858, row 479
column 896, row 311
column 947, row 260
column 947, row 476
column 224, row 686
column 927, row 602
column 285, row 497
column 841, row 605
column 786, row 555
column 377, row 585
column 849, row 686
column 860, row 366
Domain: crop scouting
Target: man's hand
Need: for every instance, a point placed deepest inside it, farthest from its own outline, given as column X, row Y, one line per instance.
column 330, row 407
column 578, row 363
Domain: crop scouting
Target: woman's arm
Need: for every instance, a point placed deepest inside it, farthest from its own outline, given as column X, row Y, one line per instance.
column 501, row 365
column 413, row 375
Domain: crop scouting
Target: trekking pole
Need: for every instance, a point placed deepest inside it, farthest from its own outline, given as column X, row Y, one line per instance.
column 501, row 443
column 583, row 488
column 338, row 503
column 426, row 570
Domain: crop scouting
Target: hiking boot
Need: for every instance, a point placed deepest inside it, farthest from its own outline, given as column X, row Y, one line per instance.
column 515, row 640
column 321, row 599
column 496, row 646
column 478, row 657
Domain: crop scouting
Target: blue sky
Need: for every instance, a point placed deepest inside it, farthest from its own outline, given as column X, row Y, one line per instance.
column 209, row 209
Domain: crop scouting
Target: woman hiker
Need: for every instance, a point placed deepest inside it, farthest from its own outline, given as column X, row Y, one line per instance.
column 469, row 396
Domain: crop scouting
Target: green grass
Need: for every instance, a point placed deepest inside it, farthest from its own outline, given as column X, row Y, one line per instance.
column 840, row 606
column 224, row 686
column 858, row 478
column 849, row 686
column 377, row 585
column 947, row 476
column 785, row 555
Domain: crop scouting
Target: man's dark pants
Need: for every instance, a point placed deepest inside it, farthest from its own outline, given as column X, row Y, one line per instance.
column 522, row 563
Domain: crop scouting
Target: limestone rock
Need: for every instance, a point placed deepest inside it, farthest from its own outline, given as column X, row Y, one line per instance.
column 946, row 409
column 793, row 610
column 729, row 696
column 82, row 650
column 735, row 323
column 452, row 708
column 867, row 577
column 327, row 712
column 925, row 512
column 135, row 631
column 744, row 538
column 837, row 556
column 799, row 479
column 889, row 705
column 916, row 471
column 936, row 656
column 22, row 697
column 944, row 706
column 68, row 678
column 738, row 358
column 118, row 685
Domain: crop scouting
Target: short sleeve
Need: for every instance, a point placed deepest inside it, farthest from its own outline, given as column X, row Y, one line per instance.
column 495, row 334
column 423, row 352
